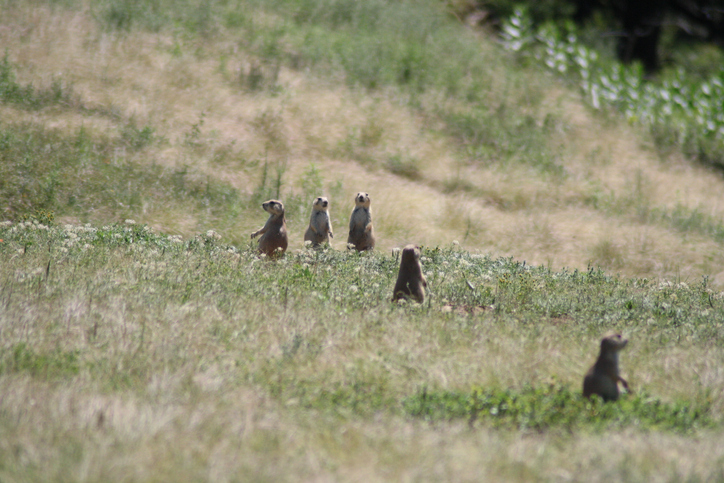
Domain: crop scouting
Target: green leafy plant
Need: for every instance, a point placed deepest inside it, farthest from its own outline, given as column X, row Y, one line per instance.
column 679, row 110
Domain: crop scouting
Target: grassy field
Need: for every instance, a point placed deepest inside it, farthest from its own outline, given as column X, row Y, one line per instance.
column 165, row 349
column 136, row 356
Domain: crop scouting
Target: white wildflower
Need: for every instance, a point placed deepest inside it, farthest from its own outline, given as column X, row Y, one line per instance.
column 130, row 222
column 213, row 234
column 5, row 224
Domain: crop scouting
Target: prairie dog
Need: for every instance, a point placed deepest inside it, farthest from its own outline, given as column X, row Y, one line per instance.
column 273, row 241
column 603, row 377
column 360, row 224
column 320, row 226
column 410, row 280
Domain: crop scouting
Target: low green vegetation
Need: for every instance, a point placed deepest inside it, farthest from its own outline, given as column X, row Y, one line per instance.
column 556, row 406
column 91, row 175
column 29, row 96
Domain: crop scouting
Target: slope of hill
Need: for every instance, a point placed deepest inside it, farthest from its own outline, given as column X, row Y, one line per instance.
column 165, row 349
column 202, row 124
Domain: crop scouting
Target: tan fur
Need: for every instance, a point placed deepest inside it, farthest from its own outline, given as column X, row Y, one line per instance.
column 411, row 282
column 273, row 241
column 361, row 234
column 603, row 377
column 320, row 226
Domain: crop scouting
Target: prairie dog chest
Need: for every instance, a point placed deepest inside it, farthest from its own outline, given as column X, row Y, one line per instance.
column 319, row 217
column 361, row 216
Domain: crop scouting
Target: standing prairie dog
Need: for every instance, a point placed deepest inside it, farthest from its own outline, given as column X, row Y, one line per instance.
column 360, row 224
column 603, row 377
column 411, row 282
column 273, row 241
column 320, row 226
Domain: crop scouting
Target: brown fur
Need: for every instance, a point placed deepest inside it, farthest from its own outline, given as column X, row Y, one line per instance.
column 361, row 234
column 320, row 226
column 273, row 241
column 411, row 282
column 603, row 377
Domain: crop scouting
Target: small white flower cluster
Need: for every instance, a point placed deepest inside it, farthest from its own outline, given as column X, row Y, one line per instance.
column 669, row 284
column 87, row 228
column 31, row 225
column 71, row 239
column 212, row 234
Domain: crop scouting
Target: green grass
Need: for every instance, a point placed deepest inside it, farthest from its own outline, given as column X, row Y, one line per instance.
column 56, row 364
column 29, row 96
column 84, row 174
column 558, row 407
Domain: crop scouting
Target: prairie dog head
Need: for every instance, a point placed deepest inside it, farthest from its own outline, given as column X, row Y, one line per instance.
column 362, row 200
column 320, row 204
column 273, row 207
column 410, row 254
column 611, row 345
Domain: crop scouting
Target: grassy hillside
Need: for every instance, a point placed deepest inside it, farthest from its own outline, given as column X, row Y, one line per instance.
column 131, row 355
column 165, row 349
column 186, row 118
